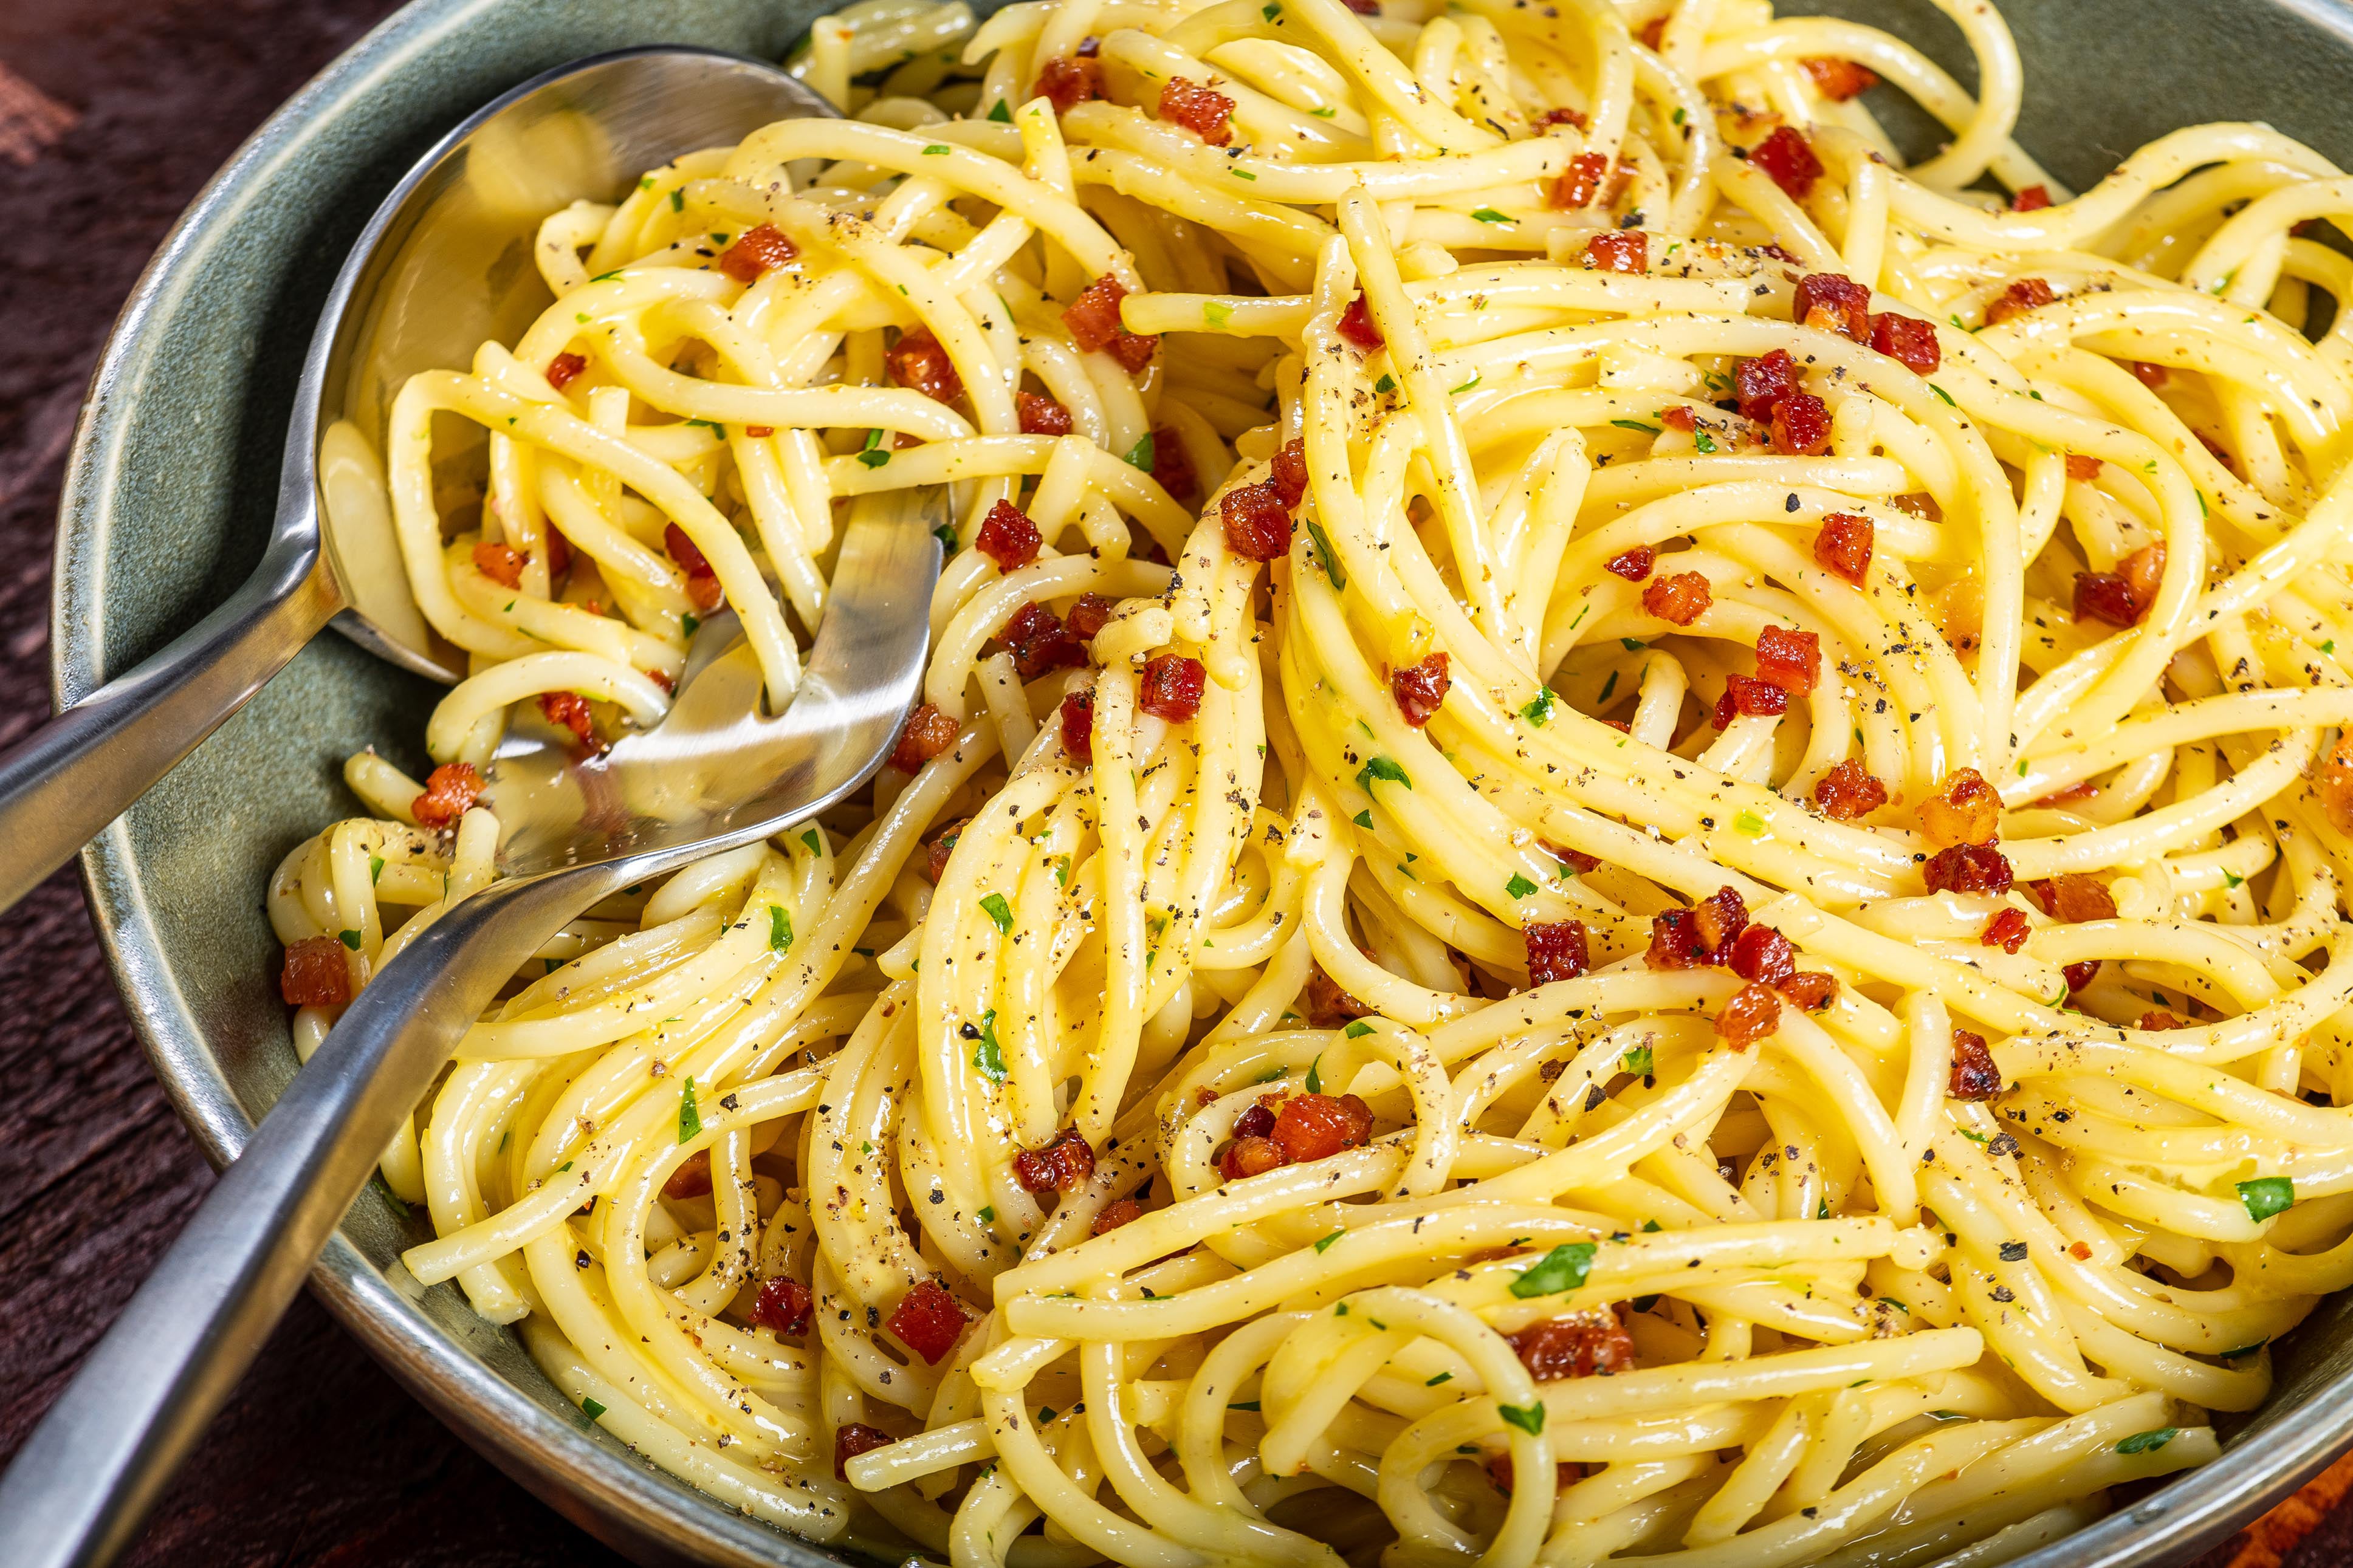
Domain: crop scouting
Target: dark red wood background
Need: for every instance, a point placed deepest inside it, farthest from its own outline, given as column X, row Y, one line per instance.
column 113, row 112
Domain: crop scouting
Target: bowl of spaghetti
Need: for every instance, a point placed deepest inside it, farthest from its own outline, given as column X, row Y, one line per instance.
column 1627, row 838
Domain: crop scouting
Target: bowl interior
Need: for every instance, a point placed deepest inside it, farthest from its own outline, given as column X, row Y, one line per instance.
column 168, row 502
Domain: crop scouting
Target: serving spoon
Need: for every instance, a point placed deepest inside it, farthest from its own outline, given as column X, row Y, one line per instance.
column 444, row 265
column 719, row 772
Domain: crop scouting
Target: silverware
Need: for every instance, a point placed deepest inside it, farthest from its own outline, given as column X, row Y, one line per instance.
column 443, row 265
column 718, row 773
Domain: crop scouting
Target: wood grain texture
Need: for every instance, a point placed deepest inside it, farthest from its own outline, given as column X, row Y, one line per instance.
column 318, row 1461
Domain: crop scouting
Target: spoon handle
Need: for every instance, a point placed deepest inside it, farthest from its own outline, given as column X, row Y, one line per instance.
column 77, row 1490
column 62, row 784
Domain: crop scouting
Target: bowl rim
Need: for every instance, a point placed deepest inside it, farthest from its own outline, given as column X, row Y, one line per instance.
column 653, row 1517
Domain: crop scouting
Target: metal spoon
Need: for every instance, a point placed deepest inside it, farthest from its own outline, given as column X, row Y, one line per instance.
column 445, row 264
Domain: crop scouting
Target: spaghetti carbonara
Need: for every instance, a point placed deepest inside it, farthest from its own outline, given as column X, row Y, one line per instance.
column 1626, row 839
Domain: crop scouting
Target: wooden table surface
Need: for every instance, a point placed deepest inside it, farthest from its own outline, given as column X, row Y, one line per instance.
column 113, row 113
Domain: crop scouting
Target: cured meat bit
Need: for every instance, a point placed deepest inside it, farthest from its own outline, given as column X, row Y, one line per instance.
column 1257, row 524
column 570, row 711
column 1849, row 791
column 1678, row 416
column 2144, row 573
column 1364, row 7
column 1788, row 161
column 1810, row 990
column 1831, row 303
column 1747, row 697
column 1007, row 537
column 929, row 733
column 1288, row 472
column 1171, row 688
column 928, row 1320
column 1317, row 1126
column 1062, row 1165
column 1765, row 955
column 1655, row 32
column 1557, row 950
column 2008, row 930
column 784, row 1306
column 1964, row 810
column 1419, row 689
column 2075, row 898
column 1761, row 383
column 316, row 974
column 2107, row 596
column 2159, row 1019
column 1582, row 1344
column 1719, row 920
column 449, row 789
column 1753, row 1013
column 759, row 249
column 1040, row 642
column 1582, row 180
column 1618, row 250
column 1974, row 1076
column 2333, row 782
column 1088, row 616
column 1843, row 546
column 1355, row 324
column 2026, row 294
column 1801, row 425
column 563, row 368
column 1968, row 869
column 1678, row 600
column 1575, row 860
column 1116, row 1213
column 940, row 847
column 1042, row 415
column 1908, row 341
column 1633, row 565
column 1172, row 463
column 919, row 360
column 759, row 432
column 692, row 1177
column 1093, row 322
column 1079, row 726
column 1790, row 660
column 1249, row 1156
column 1067, row 82
column 853, row 1440
column 1207, row 115
column 1839, row 80
column 2082, row 468
column 2031, row 199
column 2079, row 975
column 501, row 563
column 1328, row 1007
column 702, row 581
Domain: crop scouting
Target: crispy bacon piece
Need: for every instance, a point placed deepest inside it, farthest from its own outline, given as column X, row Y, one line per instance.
column 1317, row 1126
column 759, row 249
column 1088, row 616
column 1251, row 1156
column 1763, row 954
column 1007, row 537
column 2074, row 898
column 1747, row 697
column 1078, row 727
column 928, row 1320
column 1679, row 416
column 1557, row 950
column 1172, row 464
column 1761, row 383
column 1419, row 689
column 853, row 1440
column 1675, row 942
column 1355, row 324
column 1839, row 80
column 1843, row 546
column 929, row 733
column 1964, row 810
column 940, row 847
column 1288, row 472
column 2079, row 975
column 1717, row 921
column 449, row 789
column 1552, row 117
column 2107, row 596
column 2008, row 930
column 1093, row 322
column 1618, row 250
column 1257, row 524
column 1582, row 181
column 2082, row 468
column 1655, row 32
column 2150, row 375
column 1582, row 1344
column 1754, row 1013
column 1042, row 415
column 1062, row 1165
column 2333, row 782
column 1849, row 791
column 563, row 368
column 919, row 360
column 1633, row 565
column 1974, row 1076
column 1832, row 303
column 1908, row 341
column 692, row 1177
column 1788, row 159
column 2031, row 199
column 2144, row 572
column 1039, row 642
column 1678, row 600
column 1790, row 660
column 784, row 1306
column 2026, row 294
column 1171, row 688
column 1801, row 425
column 501, row 563
column 1067, row 82
column 1116, row 1213
column 1207, row 115
column 2159, row 1019
column 759, row 432
column 570, row 711
column 1968, row 869
column 1809, row 990
column 316, row 974
column 1328, row 1007
column 702, row 581
column 1575, row 860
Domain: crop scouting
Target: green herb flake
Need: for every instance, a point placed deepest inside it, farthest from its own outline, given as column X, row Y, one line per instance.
column 875, row 454
column 591, row 1409
column 1327, row 1241
column 1633, row 645
column 689, row 1119
column 1529, row 1418
column 1214, row 314
column 1703, row 441
column 1635, row 425
column 375, row 869
column 2147, row 1442
column 1637, row 1061
column 1750, row 822
column 1362, row 820
column 1488, row 215
column 689, row 624
column 1001, row 114
column 988, row 1216
column 816, row 843
column 2267, row 1196
column 988, row 1056
column 1537, row 709
column 1316, row 1075
column 350, row 938
column 1434, row 1382
column 1519, row 887
column 1563, row 1269
column 677, row 201
column 780, row 929
column 947, row 534
column 1243, row 175
column 1357, row 1030
column 2245, row 1350
column 936, row 149
column 1243, row 1404
column 1001, row 914
column 1140, row 455
column 2232, row 879
column 1943, row 393
column 1386, row 384
column 1459, row 391
column 1382, row 768
column 1326, row 554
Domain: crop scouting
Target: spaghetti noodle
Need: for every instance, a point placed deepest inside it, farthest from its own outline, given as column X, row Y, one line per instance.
column 1627, row 840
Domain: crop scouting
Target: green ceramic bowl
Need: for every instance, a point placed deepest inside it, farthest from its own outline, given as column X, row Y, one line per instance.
column 168, row 501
